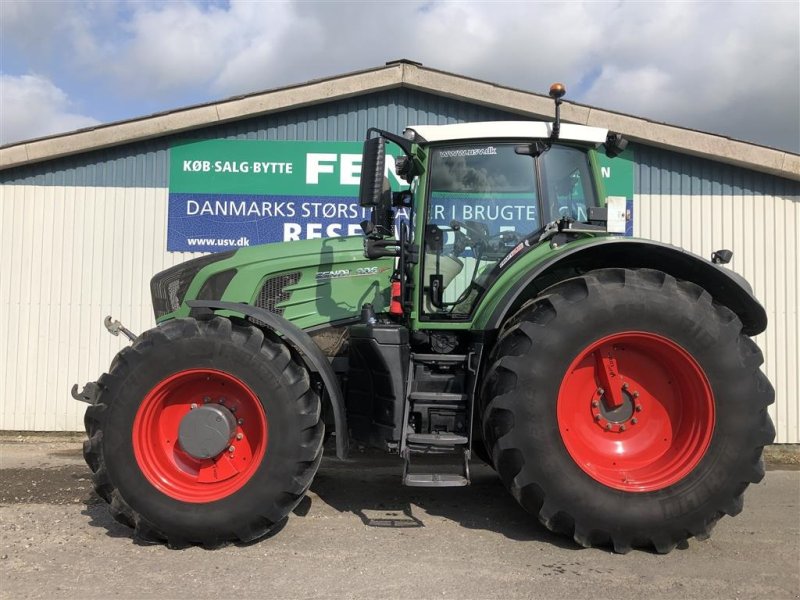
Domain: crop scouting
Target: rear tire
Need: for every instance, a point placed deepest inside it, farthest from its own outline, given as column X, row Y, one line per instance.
column 619, row 477
column 169, row 496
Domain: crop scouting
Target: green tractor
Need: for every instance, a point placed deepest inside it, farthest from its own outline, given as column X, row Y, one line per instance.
column 491, row 309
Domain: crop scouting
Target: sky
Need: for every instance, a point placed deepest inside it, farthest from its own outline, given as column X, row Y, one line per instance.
column 731, row 68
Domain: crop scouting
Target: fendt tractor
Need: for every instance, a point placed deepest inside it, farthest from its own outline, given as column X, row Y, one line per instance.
column 611, row 382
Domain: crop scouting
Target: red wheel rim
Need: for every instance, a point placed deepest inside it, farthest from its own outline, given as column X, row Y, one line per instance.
column 155, row 436
column 636, row 412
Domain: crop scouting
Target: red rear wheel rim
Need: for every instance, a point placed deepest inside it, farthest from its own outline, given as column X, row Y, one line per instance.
column 155, row 436
column 663, row 422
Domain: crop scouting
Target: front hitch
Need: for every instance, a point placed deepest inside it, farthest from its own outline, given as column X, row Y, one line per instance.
column 115, row 328
column 88, row 394
column 90, row 391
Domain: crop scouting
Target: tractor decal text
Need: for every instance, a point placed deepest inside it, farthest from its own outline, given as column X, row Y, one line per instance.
column 343, row 273
column 516, row 250
column 489, row 150
column 322, row 275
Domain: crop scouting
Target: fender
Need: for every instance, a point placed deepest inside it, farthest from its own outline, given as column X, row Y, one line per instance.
column 313, row 357
column 725, row 286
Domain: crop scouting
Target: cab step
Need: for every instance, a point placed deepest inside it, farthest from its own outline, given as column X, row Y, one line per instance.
column 434, row 480
column 437, row 419
column 436, row 397
column 438, row 358
column 442, row 439
column 443, row 442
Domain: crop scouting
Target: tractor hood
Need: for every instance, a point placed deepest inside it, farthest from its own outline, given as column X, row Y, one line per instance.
column 311, row 283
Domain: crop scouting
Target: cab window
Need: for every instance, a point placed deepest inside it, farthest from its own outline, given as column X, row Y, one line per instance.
column 566, row 183
column 482, row 202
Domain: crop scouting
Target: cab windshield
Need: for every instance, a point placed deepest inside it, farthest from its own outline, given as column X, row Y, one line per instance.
column 483, row 200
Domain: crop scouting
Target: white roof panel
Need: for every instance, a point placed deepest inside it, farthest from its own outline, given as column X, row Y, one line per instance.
column 510, row 130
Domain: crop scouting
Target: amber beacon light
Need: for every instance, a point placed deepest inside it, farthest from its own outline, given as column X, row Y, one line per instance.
column 557, row 91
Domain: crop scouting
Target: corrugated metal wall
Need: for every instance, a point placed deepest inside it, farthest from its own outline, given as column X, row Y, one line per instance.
column 703, row 206
column 68, row 257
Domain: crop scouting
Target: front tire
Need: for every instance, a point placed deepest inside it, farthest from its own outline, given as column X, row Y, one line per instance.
column 164, row 474
column 660, row 457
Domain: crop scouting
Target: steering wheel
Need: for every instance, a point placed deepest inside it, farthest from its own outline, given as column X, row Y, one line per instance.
column 477, row 236
column 502, row 242
column 469, row 233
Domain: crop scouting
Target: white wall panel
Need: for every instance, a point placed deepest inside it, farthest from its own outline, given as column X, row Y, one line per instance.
column 69, row 256
column 762, row 230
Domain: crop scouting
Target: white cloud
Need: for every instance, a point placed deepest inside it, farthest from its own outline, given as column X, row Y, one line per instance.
column 31, row 106
column 177, row 47
column 731, row 68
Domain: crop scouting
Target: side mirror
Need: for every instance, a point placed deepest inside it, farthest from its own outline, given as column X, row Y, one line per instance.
column 373, row 166
column 721, row 257
column 615, row 145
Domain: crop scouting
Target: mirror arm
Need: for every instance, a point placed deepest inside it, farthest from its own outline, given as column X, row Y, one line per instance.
column 404, row 143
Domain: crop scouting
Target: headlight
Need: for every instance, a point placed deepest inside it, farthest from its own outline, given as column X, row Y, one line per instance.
column 168, row 288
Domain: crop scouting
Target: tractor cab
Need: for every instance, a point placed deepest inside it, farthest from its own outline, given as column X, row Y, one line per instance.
column 482, row 194
column 482, row 200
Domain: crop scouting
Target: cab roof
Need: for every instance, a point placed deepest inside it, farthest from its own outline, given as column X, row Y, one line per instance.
column 498, row 130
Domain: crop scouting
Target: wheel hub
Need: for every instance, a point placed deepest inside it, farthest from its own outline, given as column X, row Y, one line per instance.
column 206, row 431
column 619, row 418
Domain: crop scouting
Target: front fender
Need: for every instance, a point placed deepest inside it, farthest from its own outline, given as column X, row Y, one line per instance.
column 725, row 286
column 309, row 351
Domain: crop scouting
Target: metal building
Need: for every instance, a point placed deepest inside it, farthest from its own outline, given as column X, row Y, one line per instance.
column 83, row 217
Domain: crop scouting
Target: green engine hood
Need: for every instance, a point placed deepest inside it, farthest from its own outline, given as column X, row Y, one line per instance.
column 310, row 282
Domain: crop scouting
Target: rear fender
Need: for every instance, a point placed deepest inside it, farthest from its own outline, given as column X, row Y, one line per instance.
column 725, row 286
column 301, row 342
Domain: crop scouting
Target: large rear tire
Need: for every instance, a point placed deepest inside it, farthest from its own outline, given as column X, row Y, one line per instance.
column 670, row 444
column 160, row 470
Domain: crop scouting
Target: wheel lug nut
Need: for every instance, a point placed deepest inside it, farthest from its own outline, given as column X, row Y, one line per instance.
column 239, row 436
column 193, row 406
column 622, row 427
column 222, row 400
column 638, row 408
column 634, row 421
column 608, row 426
column 600, row 391
column 231, row 448
column 597, row 417
column 624, row 386
column 635, row 394
column 206, row 399
column 232, row 408
column 595, row 404
column 240, row 421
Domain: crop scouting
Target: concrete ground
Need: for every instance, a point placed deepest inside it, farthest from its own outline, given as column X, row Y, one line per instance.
column 359, row 534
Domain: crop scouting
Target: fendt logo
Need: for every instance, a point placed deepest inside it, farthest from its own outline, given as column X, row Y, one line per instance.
column 341, row 273
column 333, row 274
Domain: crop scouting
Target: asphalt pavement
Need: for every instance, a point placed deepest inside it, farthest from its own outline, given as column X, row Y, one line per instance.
column 359, row 534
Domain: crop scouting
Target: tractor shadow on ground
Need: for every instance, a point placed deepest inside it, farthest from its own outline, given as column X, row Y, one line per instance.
column 99, row 516
column 368, row 485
